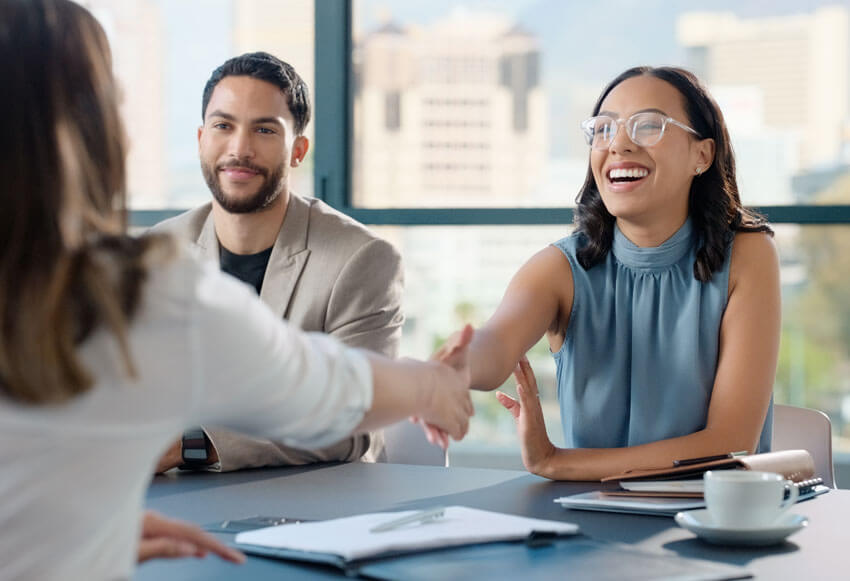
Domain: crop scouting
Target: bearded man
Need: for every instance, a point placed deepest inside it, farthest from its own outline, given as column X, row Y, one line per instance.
column 312, row 265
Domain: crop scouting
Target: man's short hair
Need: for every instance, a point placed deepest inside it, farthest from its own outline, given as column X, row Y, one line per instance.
column 266, row 67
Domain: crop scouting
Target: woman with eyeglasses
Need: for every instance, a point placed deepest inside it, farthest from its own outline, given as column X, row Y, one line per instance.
column 110, row 345
column 662, row 309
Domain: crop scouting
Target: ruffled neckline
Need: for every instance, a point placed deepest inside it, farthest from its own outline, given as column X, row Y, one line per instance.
column 667, row 254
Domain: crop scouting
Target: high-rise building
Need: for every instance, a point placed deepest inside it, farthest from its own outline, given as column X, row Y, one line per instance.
column 136, row 34
column 449, row 114
column 286, row 30
column 799, row 63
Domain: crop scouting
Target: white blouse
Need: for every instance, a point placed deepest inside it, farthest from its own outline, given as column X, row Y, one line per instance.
column 73, row 477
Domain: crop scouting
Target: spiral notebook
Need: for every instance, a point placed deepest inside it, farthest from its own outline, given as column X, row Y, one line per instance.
column 694, row 488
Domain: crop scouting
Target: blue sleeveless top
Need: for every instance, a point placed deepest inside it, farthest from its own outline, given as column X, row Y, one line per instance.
column 640, row 352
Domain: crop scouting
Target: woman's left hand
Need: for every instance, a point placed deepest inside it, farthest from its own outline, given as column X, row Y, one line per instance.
column 537, row 449
column 164, row 538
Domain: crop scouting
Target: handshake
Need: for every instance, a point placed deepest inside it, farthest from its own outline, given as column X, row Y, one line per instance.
column 451, row 406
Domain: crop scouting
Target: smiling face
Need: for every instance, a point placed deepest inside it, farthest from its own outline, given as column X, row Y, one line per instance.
column 648, row 186
column 248, row 145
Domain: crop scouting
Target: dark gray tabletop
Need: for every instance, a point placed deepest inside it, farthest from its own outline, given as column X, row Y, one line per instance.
column 820, row 551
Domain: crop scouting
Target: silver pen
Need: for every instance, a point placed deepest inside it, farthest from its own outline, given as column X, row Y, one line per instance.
column 422, row 516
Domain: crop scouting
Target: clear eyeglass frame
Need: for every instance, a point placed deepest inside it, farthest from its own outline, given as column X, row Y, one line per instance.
column 645, row 129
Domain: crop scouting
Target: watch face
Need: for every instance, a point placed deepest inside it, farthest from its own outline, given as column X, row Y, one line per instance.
column 194, row 454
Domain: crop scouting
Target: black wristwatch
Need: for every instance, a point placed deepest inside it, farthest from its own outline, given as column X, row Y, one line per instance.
column 196, row 448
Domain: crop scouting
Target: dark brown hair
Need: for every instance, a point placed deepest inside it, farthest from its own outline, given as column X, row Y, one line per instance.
column 714, row 204
column 66, row 265
column 265, row 67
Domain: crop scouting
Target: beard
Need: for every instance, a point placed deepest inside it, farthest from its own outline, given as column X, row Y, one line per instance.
column 268, row 192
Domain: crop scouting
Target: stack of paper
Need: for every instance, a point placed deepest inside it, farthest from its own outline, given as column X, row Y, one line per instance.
column 680, row 486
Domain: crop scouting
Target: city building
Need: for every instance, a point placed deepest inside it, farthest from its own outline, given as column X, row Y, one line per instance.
column 448, row 114
column 799, row 62
column 286, row 30
column 136, row 33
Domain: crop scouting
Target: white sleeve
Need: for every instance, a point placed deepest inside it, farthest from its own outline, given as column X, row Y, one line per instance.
column 257, row 374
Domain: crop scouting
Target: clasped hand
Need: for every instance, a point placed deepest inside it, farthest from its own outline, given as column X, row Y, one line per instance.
column 454, row 355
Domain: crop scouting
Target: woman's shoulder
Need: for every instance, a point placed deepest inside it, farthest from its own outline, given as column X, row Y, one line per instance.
column 753, row 246
column 570, row 244
column 754, row 254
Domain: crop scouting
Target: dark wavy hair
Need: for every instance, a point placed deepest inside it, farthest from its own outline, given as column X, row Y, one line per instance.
column 714, row 204
column 265, row 67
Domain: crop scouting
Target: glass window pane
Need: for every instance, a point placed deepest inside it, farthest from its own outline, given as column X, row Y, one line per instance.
column 814, row 356
column 486, row 96
column 455, row 275
column 164, row 52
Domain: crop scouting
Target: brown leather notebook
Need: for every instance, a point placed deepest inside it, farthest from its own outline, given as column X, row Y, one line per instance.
column 794, row 465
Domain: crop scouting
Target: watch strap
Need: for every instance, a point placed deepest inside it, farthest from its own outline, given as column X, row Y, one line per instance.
column 196, row 447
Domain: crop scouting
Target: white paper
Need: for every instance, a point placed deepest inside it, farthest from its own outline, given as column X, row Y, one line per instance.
column 696, row 485
column 350, row 537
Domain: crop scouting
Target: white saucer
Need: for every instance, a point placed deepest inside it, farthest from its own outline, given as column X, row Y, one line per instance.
column 699, row 522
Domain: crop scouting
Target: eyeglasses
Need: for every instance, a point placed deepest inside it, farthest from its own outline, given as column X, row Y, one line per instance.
column 644, row 129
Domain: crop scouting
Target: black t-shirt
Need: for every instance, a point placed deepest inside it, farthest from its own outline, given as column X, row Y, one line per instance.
column 249, row 268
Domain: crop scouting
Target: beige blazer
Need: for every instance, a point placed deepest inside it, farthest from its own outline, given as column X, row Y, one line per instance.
column 327, row 273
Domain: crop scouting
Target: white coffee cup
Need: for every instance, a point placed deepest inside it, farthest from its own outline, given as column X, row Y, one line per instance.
column 745, row 499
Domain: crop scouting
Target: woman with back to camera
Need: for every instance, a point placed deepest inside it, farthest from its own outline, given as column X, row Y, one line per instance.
column 662, row 309
column 110, row 345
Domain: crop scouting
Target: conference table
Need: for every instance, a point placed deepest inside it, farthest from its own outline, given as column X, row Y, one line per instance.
column 819, row 551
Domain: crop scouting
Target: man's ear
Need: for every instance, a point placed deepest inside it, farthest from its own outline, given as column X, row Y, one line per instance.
column 299, row 150
column 200, row 133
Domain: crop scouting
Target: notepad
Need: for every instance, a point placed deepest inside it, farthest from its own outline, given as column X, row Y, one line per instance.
column 349, row 539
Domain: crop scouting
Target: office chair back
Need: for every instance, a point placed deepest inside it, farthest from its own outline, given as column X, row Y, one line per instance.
column 405, row 443
column 796, row 428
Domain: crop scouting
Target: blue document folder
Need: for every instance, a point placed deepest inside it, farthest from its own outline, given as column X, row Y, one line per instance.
column 570, row 558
